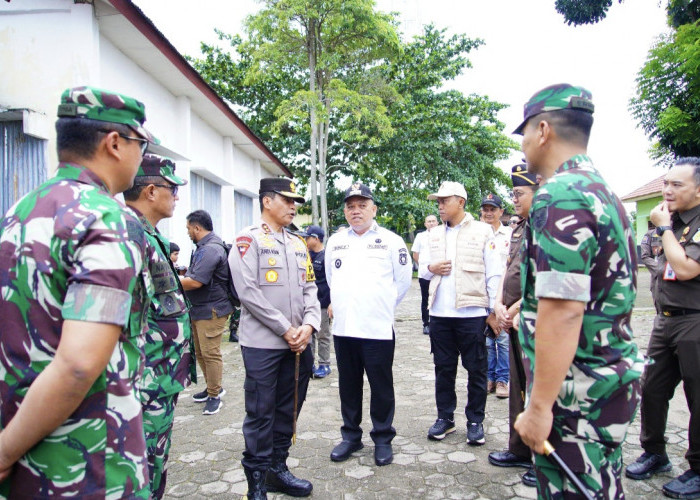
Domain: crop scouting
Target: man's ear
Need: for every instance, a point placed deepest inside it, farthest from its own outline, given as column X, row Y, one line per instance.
column 110, row 145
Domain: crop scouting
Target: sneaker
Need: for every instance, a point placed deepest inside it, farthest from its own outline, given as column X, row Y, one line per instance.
column 475, row 434
column 502, row 390
column 687, row 485
column 322, row 371
column 202, row 397
column 441, row 428
column 490, row 387
column 647, row 465
column 213, row 406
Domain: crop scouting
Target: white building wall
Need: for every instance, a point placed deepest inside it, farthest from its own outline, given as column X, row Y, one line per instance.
column 51, row 45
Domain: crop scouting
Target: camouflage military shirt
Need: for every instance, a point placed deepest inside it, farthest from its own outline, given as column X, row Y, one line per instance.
column 580, row 246
column 168, row 358
column 70, row 251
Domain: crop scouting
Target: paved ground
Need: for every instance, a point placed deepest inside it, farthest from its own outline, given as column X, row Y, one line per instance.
column 206, row 451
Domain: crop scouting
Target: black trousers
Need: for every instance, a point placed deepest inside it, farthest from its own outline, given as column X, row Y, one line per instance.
column 675, row 348
column 449, row 339
column 354, row 358
column 269, row 402
column 516, row 405
column 424, row 287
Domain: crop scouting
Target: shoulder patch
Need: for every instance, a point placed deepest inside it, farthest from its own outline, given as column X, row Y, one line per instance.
column 539, row 219
column 243, row 244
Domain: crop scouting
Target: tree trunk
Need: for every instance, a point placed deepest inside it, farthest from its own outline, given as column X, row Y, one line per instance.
column 311, row 49
column 322, row 156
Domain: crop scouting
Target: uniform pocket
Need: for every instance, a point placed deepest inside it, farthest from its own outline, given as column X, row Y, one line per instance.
column 250, row 387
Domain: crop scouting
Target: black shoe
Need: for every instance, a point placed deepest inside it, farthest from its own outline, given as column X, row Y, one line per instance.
column 256, row 484
column 647, row 465
column 213, row 406
column 383, row 454
column 426, row 330
column 280, row 479
column 687, row 485
column 529, row 478
column 475, row 434
column 233, row 337
column 346, row 448
column 506, row 458
column 441, row 428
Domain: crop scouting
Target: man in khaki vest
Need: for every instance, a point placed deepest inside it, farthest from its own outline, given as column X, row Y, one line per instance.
column 464, row 268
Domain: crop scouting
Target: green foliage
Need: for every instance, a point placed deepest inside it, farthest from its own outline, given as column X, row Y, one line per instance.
column 667, row 104
column 578, row 12
column 439, row 135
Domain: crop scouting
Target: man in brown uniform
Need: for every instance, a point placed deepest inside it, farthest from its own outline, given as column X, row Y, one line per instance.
column 674, row 345
column 506, row 308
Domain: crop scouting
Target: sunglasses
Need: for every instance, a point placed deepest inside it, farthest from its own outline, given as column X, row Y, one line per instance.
column 172, row 187
column 512, row 222
column 143, row 145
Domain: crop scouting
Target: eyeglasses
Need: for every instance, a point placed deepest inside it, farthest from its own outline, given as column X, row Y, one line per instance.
column 143, row 145
column 512, row 222
column 514, row 195
column 172, row 187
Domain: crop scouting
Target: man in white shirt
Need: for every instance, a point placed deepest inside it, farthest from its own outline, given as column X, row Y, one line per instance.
column 368, row 270
column 420, row 243
column 497, row 342
column 464, row 268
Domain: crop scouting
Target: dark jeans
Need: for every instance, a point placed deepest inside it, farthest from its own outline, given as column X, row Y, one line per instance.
column 269, row 401
column 355, row 357
column 675, row 348
column 449, row 339
column 424, row 287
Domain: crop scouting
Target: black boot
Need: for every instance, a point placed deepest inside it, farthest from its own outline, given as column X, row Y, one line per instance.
column 279, row 479
column 256, row 484
column 233, row 337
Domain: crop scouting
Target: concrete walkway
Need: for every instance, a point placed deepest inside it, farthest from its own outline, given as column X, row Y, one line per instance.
column 206, row 452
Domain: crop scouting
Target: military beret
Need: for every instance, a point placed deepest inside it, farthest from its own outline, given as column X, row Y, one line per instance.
column 556, row 97
column 152, row 165
column 521, row 177
column 281, row 185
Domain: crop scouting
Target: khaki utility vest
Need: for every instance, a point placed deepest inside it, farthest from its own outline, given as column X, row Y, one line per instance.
column 469, row 268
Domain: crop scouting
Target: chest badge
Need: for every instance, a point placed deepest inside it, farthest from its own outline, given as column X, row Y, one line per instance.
column 686, row 230
column 271, row 276
column 271, row 261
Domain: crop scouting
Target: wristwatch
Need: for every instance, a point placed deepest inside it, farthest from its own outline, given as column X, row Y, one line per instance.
column 662, row 229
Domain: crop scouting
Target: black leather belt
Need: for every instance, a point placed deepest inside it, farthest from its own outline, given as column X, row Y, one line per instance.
column 670, row 313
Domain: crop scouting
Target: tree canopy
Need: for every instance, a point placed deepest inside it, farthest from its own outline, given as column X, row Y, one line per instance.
column 389, row 124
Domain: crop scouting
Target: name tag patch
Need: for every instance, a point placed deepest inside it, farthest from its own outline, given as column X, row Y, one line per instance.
column 669, row 274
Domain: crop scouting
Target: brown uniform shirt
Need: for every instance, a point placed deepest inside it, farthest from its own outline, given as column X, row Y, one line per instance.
column 512, row 291
column 672, row 293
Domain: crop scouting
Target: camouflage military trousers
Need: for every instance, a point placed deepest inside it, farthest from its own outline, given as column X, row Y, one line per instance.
column 158, row 415
column 602, row 476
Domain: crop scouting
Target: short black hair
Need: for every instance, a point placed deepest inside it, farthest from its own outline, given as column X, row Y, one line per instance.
column 691, row 161
column 202, row 219
column 570, row 124
column 133, row 193
column 174, row 247
column 265, row 194
column 81, row 136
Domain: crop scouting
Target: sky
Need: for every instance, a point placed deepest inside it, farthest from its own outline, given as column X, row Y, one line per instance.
column 527, row 47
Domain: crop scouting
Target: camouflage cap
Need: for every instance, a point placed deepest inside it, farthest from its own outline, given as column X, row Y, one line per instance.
column 106, row 106
column 553, row 98
column 153, row 165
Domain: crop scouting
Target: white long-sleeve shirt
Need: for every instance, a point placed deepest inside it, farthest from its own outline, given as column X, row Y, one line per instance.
column 368, row 275
column 444, row 302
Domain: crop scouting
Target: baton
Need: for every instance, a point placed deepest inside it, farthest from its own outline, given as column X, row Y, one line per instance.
column 296, row 396
column 570, row 475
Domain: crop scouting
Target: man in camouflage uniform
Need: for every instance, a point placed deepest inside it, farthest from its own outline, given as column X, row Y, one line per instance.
column 168, row 359
column 579, row 285
column 74, row 296
column 280, row 311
